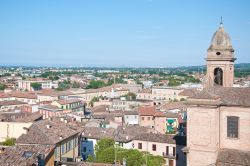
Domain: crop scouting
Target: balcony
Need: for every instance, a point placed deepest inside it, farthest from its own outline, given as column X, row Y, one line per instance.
column 169, row 155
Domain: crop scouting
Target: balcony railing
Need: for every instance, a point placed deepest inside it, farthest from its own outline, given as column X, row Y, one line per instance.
column 168, row 155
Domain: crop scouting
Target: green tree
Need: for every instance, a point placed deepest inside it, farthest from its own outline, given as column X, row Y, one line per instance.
column 105, row 150
column 105, row 153
column 173, row 82
column 36, row 86
column 96, row 84
column 130, row 96
column 63, row 86
column 2, row 86
column 9, row 142
column 182, row 99
column 134, row 158
column 93, row 100
column 154, row 160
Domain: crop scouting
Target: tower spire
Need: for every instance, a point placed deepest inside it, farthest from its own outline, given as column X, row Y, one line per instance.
column 221, row 22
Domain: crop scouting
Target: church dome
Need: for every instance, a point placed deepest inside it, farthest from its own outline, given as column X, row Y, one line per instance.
column 221, row 40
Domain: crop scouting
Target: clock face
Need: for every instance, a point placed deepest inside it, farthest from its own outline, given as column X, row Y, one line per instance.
column 217, row 53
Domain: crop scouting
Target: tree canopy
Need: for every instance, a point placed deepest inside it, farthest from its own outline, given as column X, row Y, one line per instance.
column 9, row 142
column 130, row 96
column 36, row 86
column 2, row 86
column 106, row 149
column 96, row 84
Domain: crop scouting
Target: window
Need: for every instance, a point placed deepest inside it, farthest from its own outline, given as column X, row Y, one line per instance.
column 139, row 145
column 142, row 118
column 84, row 149
column 232, row 126
column 62, row 149
column 167, row 150
column 67, row 147
column 154, row 147
column 148, row 118
column 70, row 144
column 57, row 151
column 173, row 151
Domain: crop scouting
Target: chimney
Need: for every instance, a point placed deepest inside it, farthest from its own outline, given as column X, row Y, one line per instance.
column 26, row 129
column 60, row 137
column 50, row 118
column 62, row 119
column 2, row 150
column 65, row 121
column 48, row 126
column 127, row 137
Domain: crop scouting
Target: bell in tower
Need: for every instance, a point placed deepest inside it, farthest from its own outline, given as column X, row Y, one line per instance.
column 220, row 60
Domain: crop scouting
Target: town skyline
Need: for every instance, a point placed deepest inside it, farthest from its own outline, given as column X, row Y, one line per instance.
column 112, row 34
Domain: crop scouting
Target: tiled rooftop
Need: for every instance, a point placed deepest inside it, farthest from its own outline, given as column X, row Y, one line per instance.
column 11, row 102
column 19, row 117
column 149, row 111
column 70, row 101
column 232, row 157
column 47, row 132
column 172, row 105
column 226, row 96
column 155, row 137
column 23, row 155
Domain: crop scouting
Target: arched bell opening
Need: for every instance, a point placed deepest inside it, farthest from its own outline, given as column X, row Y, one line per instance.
column 218, row 76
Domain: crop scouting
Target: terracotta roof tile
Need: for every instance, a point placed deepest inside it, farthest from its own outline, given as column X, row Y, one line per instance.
column 15, row 155
column 226, row 95
column 70, row 101
column 149, row 111
column 232, row 157
column 155, row 137
column 47, row 132
column 11, row 102
column 172, row 105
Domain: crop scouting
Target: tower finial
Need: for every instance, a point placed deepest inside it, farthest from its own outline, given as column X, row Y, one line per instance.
column 221, row 22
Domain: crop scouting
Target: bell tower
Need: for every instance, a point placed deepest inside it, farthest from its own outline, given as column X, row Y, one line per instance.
column 220, row 60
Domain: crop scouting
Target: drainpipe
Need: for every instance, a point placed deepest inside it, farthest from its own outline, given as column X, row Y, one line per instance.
column 219, row 124
column 60, row 151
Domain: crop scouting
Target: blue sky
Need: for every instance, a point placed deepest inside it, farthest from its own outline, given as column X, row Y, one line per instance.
column 118, row 33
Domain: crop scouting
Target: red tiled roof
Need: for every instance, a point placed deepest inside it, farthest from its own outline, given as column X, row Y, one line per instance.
column 146, row 91
column 54, row 93
column 28, row 95
column 11, row 102
column 15, row 155
column 159, row 114
column 224, row 95
column 172, row 105
column 40, row 133
column 63, row 102
column 146, row 110
column 149, row 111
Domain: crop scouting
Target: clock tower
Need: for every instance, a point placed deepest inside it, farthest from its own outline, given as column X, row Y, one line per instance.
column 220, row 60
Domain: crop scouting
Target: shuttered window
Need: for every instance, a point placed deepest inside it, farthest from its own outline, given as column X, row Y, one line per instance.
column 154, row 147
column 232, row 126
column 167, row 150
column 174, row 151
column 139, row 145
